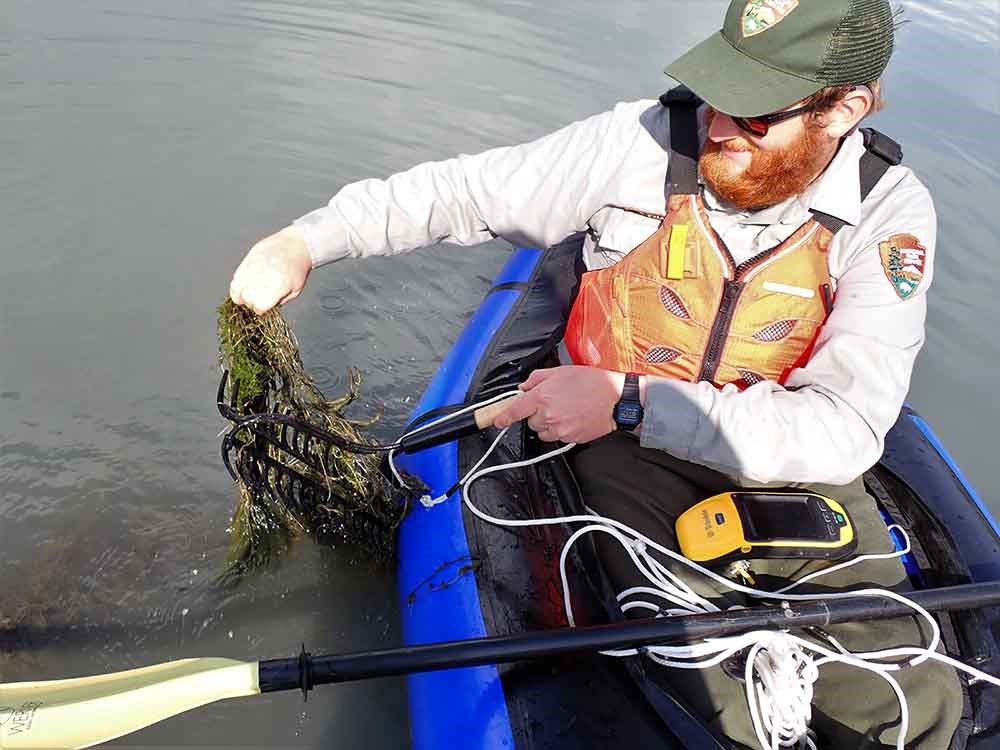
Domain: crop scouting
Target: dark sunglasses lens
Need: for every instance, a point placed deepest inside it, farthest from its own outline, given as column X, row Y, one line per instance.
column 752, row 125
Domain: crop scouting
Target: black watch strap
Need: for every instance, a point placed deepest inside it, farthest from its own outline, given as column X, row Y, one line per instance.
column 630, row 391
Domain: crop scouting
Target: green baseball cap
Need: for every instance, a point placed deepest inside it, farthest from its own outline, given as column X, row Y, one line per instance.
column 770, row 54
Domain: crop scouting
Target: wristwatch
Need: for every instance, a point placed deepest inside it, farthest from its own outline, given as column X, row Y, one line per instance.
column 628, row 411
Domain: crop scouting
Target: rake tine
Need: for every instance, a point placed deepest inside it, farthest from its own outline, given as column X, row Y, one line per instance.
column 226, row 410
column 228, row 444
column 292, row 488
column 258, row 423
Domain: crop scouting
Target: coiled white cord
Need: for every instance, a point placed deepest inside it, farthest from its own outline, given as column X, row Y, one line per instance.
column 781, row 668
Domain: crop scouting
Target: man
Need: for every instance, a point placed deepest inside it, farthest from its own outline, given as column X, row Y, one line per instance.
column 765, row 309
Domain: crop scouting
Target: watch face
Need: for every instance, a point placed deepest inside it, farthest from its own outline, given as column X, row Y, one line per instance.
column 628, row 414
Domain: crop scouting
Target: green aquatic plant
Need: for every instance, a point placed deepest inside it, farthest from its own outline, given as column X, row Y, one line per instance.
column 333, row 489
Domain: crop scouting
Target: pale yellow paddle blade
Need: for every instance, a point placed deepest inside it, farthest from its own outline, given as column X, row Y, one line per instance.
column 77, row 713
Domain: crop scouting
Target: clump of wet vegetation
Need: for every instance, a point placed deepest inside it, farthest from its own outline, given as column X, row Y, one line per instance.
column 335, row 489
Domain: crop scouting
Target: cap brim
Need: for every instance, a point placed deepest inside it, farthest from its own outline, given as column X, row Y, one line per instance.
column 735, row 83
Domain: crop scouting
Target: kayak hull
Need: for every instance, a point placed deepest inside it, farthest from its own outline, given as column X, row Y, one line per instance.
column 463, row 578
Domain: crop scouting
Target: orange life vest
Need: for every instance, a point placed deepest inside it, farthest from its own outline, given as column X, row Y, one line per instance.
column 679, row 306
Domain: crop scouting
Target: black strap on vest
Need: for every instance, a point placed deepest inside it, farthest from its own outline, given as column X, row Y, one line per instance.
column 682, row 169
column 881, row 152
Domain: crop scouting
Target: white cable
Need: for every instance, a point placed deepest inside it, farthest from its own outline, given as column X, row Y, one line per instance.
column 853, row 561
column 779, row 678
column 426, row 500
column 780, row 673
column 601, row 520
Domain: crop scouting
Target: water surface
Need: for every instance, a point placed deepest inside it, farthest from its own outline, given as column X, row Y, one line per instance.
column 145, row 146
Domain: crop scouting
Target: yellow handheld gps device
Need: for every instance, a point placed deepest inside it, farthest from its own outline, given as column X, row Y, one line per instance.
column 755, row 524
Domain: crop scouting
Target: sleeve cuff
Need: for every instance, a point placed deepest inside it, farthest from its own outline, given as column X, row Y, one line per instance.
column 320, row 237
column 671, row 417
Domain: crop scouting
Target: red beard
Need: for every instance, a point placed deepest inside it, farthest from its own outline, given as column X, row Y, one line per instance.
column 771, row 177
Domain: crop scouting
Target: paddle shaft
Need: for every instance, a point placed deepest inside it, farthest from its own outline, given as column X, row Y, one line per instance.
column 85, row 711
column 306, row 671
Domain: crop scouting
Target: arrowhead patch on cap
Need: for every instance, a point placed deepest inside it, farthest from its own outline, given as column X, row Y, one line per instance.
column 761, row 15
column 904, row 260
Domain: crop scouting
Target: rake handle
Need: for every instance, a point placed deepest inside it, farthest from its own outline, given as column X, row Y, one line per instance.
column 451, row 429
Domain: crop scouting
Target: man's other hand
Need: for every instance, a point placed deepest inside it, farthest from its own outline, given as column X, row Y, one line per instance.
column 571, row 404
column 273, row 272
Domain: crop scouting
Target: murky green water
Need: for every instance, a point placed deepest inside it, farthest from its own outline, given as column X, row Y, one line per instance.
column 145, row 146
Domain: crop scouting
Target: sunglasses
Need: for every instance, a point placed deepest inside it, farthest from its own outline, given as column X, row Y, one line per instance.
column 759, row 126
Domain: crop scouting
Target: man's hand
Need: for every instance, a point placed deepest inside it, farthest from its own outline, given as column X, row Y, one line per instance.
column 571, row 404
column 273, row 272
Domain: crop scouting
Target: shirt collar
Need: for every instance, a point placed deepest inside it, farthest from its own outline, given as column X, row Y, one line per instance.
column 837, row 192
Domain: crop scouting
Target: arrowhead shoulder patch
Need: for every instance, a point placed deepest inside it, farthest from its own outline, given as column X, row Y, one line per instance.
column 760, row 15
column 903, row 260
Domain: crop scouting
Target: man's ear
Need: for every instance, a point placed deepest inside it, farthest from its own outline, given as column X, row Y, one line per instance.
column 844, row 116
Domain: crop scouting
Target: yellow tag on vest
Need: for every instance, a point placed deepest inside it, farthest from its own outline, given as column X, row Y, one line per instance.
column 678, row 246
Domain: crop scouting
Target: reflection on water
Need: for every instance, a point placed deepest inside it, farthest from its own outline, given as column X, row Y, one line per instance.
column 956, row 42
column 146, row 146
column 961, row 20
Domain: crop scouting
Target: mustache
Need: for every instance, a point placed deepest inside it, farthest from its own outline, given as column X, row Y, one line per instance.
column 732, row 146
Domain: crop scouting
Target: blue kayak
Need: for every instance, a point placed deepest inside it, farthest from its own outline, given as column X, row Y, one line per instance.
column 462, row 578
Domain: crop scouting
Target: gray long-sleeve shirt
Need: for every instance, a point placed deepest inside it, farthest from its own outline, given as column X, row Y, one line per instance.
column 829, row 420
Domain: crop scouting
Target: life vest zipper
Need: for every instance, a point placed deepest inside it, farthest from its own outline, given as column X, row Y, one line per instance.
column 720, row 329
column 749, row 263
column 727, row 308
column 730, row 292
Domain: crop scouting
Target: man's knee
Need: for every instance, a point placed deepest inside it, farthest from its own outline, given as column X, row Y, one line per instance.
column 860, row 709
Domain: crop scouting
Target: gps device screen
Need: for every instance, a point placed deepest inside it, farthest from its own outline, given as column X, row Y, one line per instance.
column 769, row 517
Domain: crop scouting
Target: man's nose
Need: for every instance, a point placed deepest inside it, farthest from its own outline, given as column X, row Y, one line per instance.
column 723, row 128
